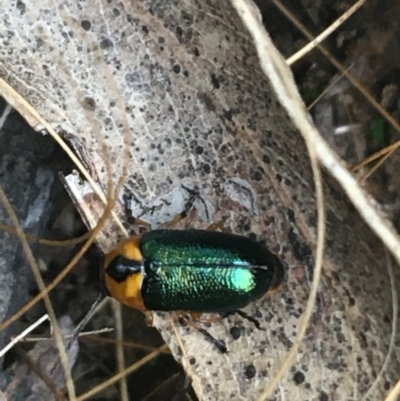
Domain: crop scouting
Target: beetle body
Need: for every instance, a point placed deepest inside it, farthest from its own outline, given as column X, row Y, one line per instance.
column 190, row 270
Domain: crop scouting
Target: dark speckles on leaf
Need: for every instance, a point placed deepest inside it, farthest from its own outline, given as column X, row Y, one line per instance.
column 228, row 114
column 196, row 52
column 176, row 68
column 299, row 377
column 116, row 12
column 129, row 78
column 145, row 29
column 21, row 7
column 224, row 149
column 206, row 168
column 187, row 17
column 257, row 176
column 106, row 43
column 215, row 81
column 252, row 236
column 161, row 40
column 199, row 150
column 323, row 396
column 186, row 74
column 363, row 341
column 266, row 159
column 207, row 101
column 39, row 43
column 179, row 31
column 89, row 103
column 250, row 371
column 235, row 332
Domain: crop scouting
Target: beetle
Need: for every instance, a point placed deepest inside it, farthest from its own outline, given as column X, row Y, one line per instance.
column 196, row 271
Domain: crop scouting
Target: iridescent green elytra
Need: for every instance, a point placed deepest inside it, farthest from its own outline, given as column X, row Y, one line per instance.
column 191, row 270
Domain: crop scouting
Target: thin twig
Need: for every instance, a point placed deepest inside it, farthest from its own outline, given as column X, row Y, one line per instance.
column 321, row 37
column 19, row 337
column 368, row 96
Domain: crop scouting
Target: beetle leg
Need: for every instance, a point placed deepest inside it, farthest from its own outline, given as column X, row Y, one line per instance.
column 188, row 207
column 139, row 222
column 217, row 226
column 220, row 344
column 244, row 315
column 193, row 195
column 175, row 220
column 198, row 317
column 131, row 218
column 149, row 318
column 275, row 290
